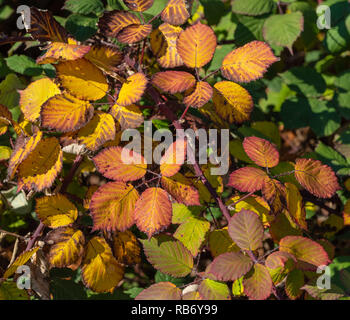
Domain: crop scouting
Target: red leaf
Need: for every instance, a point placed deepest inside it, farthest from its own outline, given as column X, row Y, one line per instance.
column 247, row 179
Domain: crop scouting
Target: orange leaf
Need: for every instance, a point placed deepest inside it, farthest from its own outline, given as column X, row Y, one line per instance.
column 258, row 285
column 163, row 43
column 128, row 117
column 316, row 178
column 44, row 27
column 232, row 102
column 274, row 193
column 138, row 5
column 261, row 151
column 41, row 167
column 23, row 147
column 247, row 179
column 112, row 22
column 198, row 96
column 134, row 33
column 82, row 79
column 175, row 12
column 181, row 189
column 65, row 113
column 100, row 129
column 173, row 158
column 104, row 57
column 132, row 90
column 308, row 252
column 5, row 119
column 160, row 291
column 126, row 248
column 173, row 81
column 295, row 204
column 35, row 95
column 196, row 45
column 119, row 165
column 153, row 211
column 58, row 51
column 112, row 206
column 248, row 63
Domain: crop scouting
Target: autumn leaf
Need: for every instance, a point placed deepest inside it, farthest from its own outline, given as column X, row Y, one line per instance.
column 175, row 12
column 56, row 211
column 35, row 95
column 100, row 271
column 316, row 178
column 82, row 78
column 196, row 45
column 230, row 266
column 66, row 113
column 258, row 284
column 246, row 230
column 173, row 81
column 247, row 179
column 199, row 95
column 160, row 291
column 134, row 33
column 295, row 204
column 41, row 167
column 170, row 257
column 112, row 206
column 173, row 158
column 220, row 242
column 129, row 117
column 294, row 283
column 214, row 290
column 153, row 211
column 67, row 248
column 138, row 5
column 105, row 57
column 248, row 63
column 100, row 129
column 182, row 189
column 274, row 193
column 163, row 44
column 261, row 151
column 132, row 90
column 120, row 164
column 126, row 248
column 232, row 102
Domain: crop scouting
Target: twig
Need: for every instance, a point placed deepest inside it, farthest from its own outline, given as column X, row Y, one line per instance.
column 12, row 234
column 210, row 74
column 232, row 205
column 36, row 234
column 69, row 177
column 14, row 252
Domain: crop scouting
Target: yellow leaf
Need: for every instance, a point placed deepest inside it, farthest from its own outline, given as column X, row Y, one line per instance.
column 66, row 113
column 100, row 129
column 68, row 246
column 126, row 248
column 82, row 79
column 39, row 170
column 104, row 57
column 132, row 90
column 129, row 117
column 175, row 12
column 20, row 261
column 134, row 33
column 295, row 205
column 232, row 102
column 101, row 272
column 199, row 95
column 221, row 242
column 56, row 211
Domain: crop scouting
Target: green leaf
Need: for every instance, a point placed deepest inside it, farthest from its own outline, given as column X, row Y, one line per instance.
column 133, row 292
column 294, row 282
column 283, row 29
column 252, row 7
column 67, row 290
column 182, row 212
column 81, row 27
column 305, row 81
column 214, row 290
column 213, row 10
column 84, row 6
column 5, row 153
column 343, row 81
column 24, row 65
column 18, row 201
column 9, row 96
column 192, row 233
column 9, row 291
column 170, row 257
column 162, row 277
column 338, row 38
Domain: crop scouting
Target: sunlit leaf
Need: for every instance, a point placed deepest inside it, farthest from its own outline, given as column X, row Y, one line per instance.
column 246, row 230
column 294, row 282
column 35, row 95
column 274, row 193
column 232, row 102
column 248, row 63
column 56, row 211
column 173, row 158
column 316, row 178
column 120, row 164
column 105, row 57
column 214, row 290
column 132, row 90
column 196, row 45
column 153, row 211
column 221, row 242
column 126, row 248
column 173, row 81
column 175, row 12
column 100, row 271
column 261, row 151
column 199, row 95
column 160, row 291
column 129, row 117
column 5, row 119
column 258, row 285
column 65, row 113
column 170, row 257
column 134, row 33
column 138, row 5
column 247, row 179
column 112, row 206
column 295, row 204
